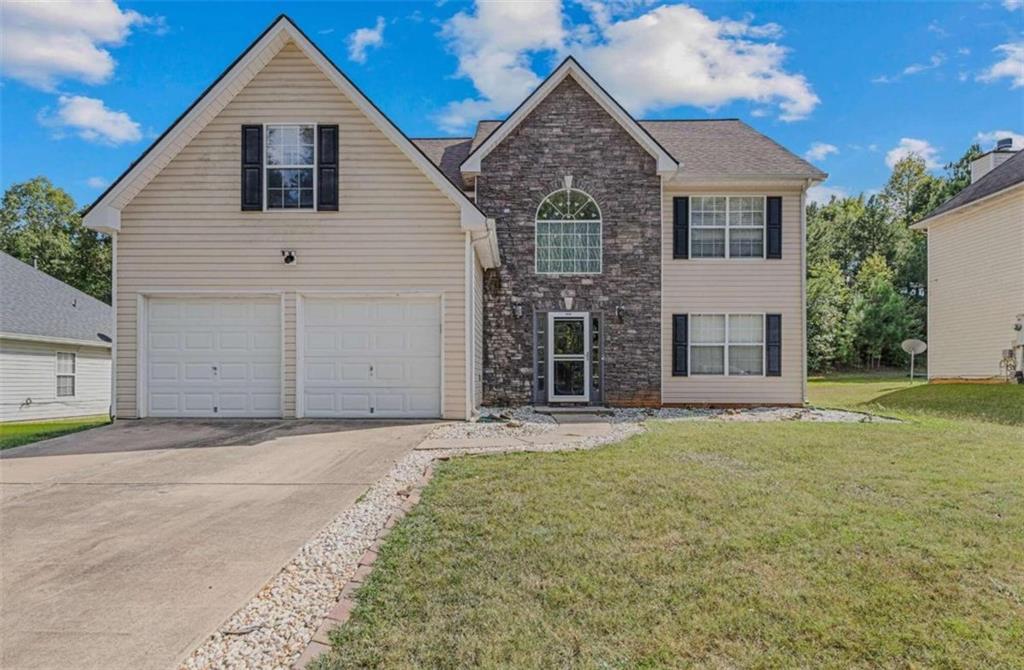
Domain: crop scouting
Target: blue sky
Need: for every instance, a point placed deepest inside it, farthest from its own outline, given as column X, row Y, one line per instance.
column 87, row 88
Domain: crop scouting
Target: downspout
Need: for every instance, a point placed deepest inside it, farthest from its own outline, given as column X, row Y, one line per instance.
column 803, row 288
column 113, row 325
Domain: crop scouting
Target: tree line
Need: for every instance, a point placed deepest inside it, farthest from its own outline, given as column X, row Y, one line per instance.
column 41, row 225
column 868, row 270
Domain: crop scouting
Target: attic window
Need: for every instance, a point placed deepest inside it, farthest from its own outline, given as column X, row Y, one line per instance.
column 291, row 166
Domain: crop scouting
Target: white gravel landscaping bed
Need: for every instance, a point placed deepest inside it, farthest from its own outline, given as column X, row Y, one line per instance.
column 275, row 627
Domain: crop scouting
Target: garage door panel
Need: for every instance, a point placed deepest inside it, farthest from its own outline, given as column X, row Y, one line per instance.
column 214, row 357
column 372, row 357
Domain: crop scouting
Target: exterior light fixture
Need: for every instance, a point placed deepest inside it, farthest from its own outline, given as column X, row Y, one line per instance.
column 517, row 311
column 288, row 256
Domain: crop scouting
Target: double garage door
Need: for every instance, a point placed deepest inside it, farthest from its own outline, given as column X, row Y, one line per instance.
column 222, row 357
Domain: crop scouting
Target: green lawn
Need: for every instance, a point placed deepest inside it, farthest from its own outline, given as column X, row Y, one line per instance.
column 890, row 394
column 17, row 434
column 723, row 545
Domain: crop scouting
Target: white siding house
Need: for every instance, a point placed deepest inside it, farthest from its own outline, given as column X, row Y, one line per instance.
column 54, row 347
column 976, row 272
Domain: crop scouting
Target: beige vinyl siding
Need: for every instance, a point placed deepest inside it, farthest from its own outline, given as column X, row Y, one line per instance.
column 394, row 232
column 975, row 286
column 29, row 388
column 736, row 286
column 478, row 333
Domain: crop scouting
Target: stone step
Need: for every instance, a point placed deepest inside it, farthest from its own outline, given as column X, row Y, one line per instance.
column 555, row 410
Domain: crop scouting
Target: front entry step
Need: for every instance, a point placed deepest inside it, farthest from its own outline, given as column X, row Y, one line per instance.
column 573, row 409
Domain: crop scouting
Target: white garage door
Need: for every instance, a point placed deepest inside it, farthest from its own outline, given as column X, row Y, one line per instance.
column 372, row 357
column 214, row 357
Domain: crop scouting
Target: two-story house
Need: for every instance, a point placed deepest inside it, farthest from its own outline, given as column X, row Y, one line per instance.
column 285, row 250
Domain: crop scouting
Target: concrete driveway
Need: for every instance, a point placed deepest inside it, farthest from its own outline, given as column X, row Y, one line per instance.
column 125, row 546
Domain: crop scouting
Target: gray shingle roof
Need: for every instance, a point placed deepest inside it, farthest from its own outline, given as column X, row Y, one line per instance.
column 727, row 148
column 34, row 303
column 446, row 153
column 708, row 150
column 1010, row 173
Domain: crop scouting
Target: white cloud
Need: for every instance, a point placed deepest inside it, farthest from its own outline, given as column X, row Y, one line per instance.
column 1011, row 5
column 92, row 121
column 493, row 46
column 934, row 27
column 820, row 151
column 988, row 140
column 909, row 146
column 46, row 42
column 96, row 182
column 935, row 61
column 668, row 56
column 821, row 194
column 365, row 38
column 1012, row 66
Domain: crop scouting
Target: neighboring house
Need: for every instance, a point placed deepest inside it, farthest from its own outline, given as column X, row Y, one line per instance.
column 976, row 270
column 54, row 347
column 283, row 249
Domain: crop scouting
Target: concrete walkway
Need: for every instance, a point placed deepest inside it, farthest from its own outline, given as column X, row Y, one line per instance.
column 125, row 546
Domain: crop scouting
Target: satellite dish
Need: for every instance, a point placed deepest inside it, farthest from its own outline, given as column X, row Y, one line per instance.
column 914, row 347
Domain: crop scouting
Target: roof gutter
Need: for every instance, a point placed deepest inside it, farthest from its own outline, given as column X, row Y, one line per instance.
column 929, row 220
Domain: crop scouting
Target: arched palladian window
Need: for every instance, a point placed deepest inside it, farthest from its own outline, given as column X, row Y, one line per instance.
column 568, row 233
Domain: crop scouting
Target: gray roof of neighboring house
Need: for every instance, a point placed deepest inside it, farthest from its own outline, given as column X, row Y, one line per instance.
column 708, row 150
column 34, row 303
column 1010, row 173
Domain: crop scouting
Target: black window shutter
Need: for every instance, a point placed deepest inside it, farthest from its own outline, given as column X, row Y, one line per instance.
column 327, row 168
column 679, row 345
column 252, row 168
column 774, row 227
column 681, row 229
column 773, row 345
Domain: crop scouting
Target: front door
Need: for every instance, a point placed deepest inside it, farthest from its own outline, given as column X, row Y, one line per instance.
column 568, row 357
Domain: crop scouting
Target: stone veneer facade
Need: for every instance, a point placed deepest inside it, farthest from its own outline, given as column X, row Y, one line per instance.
column 569, row 133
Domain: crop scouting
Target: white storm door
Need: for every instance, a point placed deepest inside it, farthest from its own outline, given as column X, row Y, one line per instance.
column 371, row 357
column 568, row 357
column 213, row 357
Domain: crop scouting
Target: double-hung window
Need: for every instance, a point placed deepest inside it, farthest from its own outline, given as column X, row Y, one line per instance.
column 727, row 226
column 727, row 344
column 290, row 166
column 65, row 374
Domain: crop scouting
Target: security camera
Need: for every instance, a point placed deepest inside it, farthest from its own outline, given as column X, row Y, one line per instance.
column 288, row 255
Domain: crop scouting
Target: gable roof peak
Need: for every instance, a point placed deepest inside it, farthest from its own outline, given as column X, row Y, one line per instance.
column 666, row 163
column 105, row 213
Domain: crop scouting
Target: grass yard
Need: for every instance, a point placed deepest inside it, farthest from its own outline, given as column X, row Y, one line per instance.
column 718, row 545
column 891, row 394
column 17, row 434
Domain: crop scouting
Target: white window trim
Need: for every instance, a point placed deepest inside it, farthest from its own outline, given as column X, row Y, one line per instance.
column 728, row 256
column 726, row 344
column 266, row 167
column 57, row 374
column 600, row 235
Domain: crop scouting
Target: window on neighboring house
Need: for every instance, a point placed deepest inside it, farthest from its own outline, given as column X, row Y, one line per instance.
column 568, row 234
column 291, row 166
column 65, row 374
column 727, row 344
column 727, row 226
